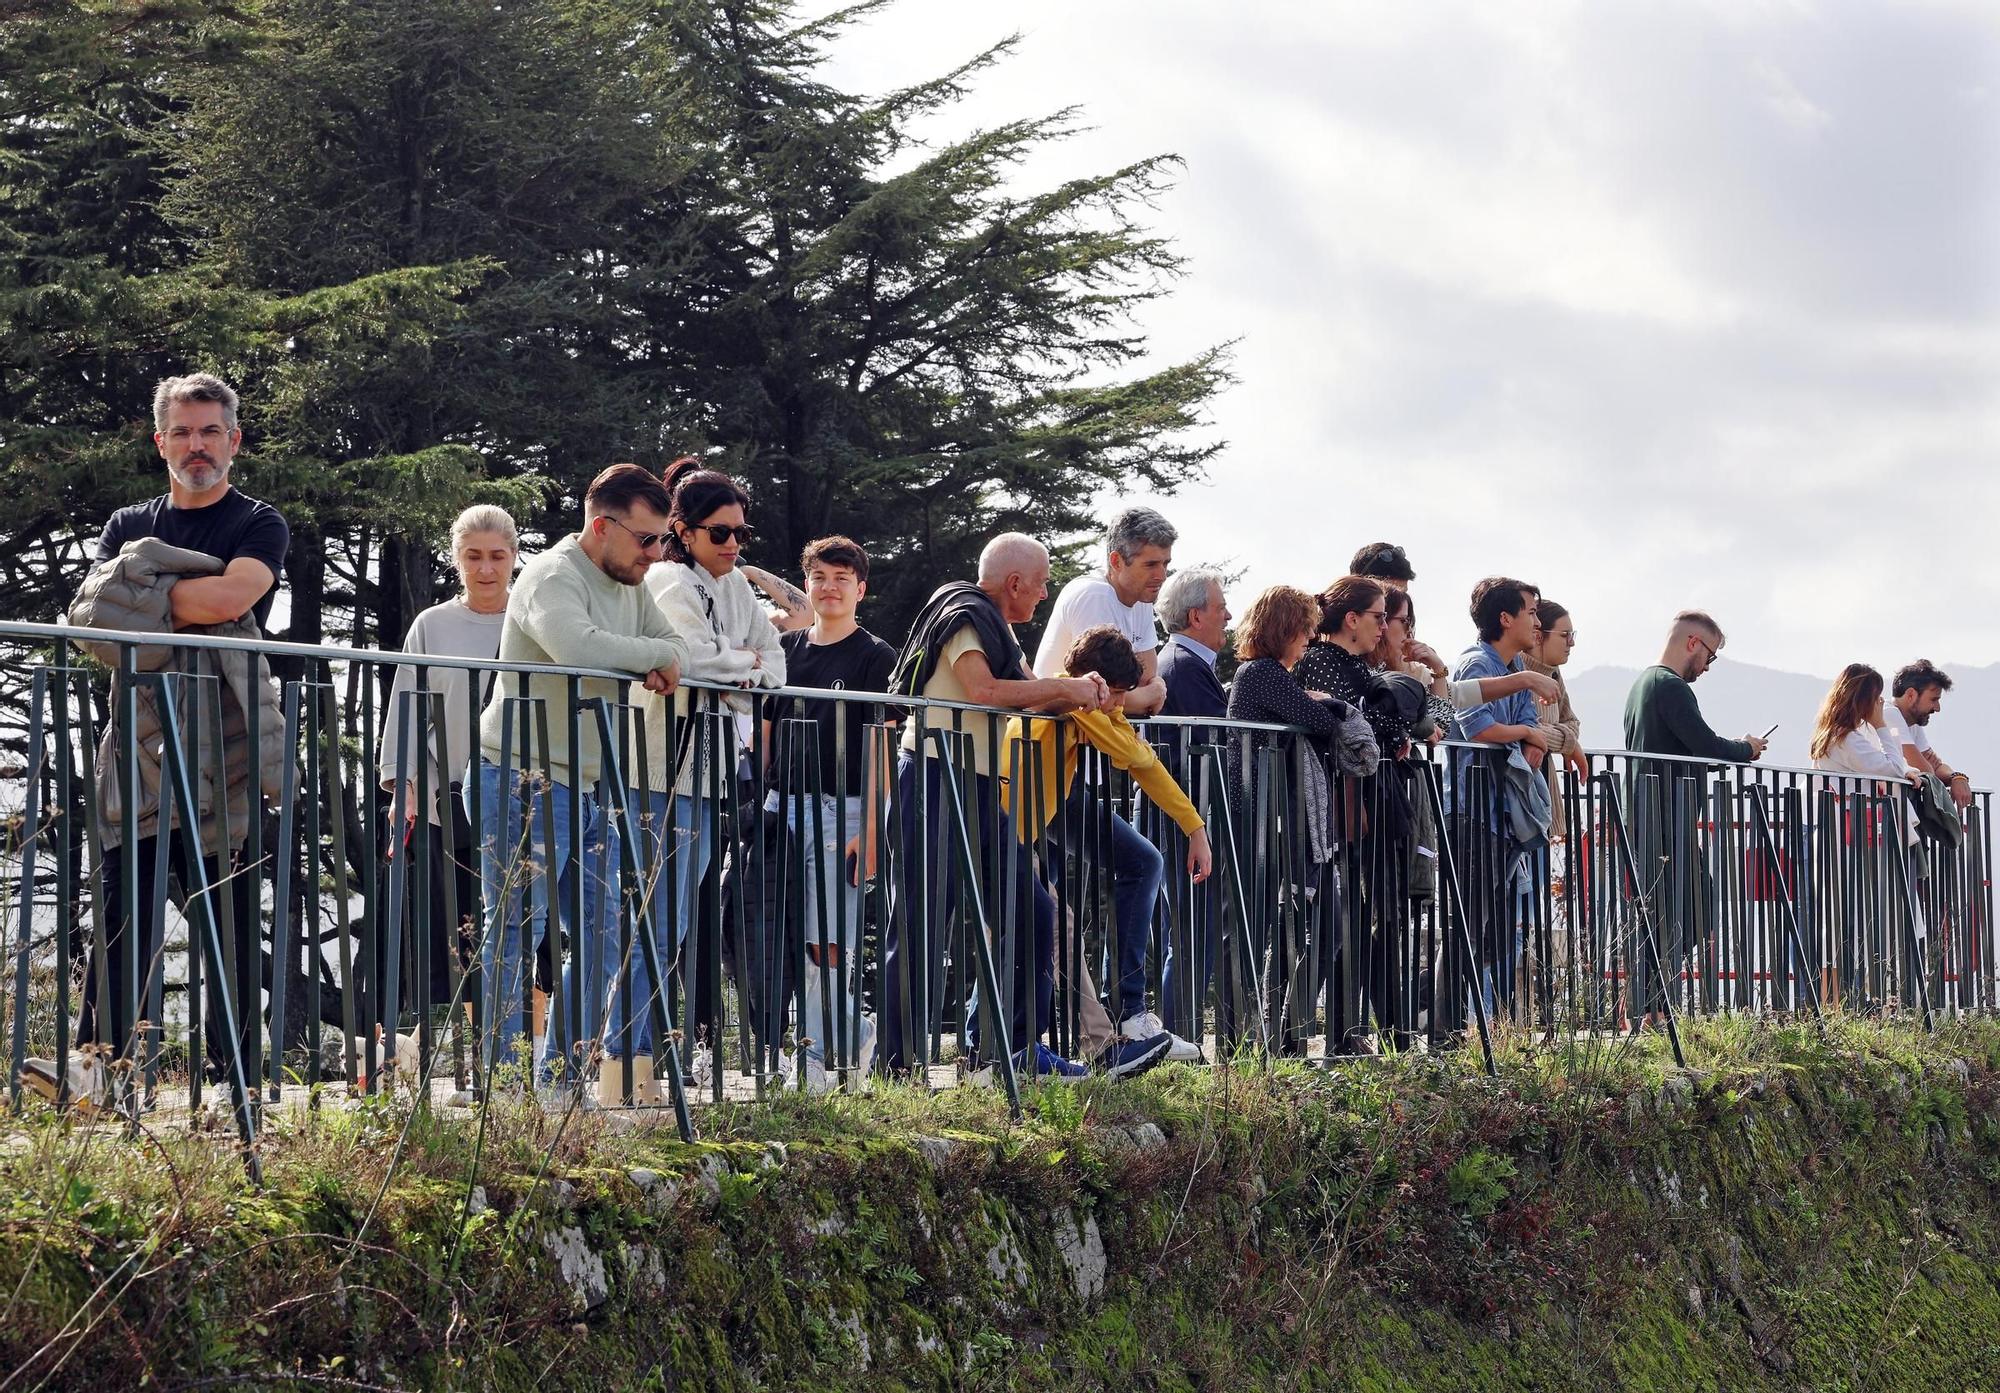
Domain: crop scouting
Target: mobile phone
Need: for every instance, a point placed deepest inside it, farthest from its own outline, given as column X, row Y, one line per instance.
column 1767, row 734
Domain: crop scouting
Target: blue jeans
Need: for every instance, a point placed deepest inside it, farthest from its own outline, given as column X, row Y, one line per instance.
column 631, row 1017
column 505, row 961
column 1033, row 905
column 840, row 820
column 1137, row 868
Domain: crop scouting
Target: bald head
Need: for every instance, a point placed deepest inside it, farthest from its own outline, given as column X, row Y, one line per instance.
column 1014, row 570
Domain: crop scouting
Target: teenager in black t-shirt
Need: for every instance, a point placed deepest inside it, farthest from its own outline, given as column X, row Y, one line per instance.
column 835, row 654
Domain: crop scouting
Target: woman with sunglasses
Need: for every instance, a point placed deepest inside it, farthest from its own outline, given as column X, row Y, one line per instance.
column 692, row 737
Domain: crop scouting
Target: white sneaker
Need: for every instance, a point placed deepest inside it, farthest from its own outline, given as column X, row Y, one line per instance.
column 89, row 1083
column 1146, row 1025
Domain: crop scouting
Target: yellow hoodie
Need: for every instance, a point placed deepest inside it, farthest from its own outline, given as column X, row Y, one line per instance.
column 1115, row 738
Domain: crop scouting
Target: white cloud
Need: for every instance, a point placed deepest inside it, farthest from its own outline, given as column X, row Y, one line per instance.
column 1654, row 304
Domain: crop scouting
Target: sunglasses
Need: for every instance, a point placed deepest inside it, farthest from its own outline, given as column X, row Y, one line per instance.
column 721, row 532
column 646, row 540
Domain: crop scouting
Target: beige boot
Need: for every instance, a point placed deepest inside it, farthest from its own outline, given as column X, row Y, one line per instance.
column 611, row 1083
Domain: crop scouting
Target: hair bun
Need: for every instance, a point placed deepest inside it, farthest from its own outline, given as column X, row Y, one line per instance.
column 672, row 475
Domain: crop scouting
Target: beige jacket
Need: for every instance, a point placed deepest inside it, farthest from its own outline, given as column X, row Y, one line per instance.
column 1565, row 732
column 130, row 591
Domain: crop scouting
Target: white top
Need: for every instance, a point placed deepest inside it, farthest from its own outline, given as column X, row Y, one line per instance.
column 730, row 639
column 453, row 629
column 1085, row 603
column 1898, row 732
column 1863, row 751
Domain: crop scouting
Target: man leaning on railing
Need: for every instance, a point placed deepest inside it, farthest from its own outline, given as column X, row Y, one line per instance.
column 201, row 558
column 577, row 605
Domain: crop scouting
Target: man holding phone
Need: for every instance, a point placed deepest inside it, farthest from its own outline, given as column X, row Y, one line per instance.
column 1662, row 716
column 835, row 654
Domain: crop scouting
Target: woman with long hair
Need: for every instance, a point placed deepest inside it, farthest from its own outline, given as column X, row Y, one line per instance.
column 692, row 737
column 1847, row 737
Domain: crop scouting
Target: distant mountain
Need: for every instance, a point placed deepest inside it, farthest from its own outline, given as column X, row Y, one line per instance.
column 1742, row 699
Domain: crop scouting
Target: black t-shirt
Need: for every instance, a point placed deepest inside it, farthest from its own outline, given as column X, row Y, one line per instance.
column 232, row 526
column 858, row 663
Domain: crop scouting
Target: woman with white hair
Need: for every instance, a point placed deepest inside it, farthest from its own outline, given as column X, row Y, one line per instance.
column 484, row 547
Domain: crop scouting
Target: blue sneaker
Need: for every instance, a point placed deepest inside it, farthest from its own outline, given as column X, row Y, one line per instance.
column 1047, row 1061
column 1123, row 1057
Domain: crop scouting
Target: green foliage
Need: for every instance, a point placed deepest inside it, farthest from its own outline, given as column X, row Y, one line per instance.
column 1477, row 1182
column 460, row 251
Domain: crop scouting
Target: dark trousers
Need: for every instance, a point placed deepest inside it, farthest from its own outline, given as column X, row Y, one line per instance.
column 114, row 1024
column 1019, row 905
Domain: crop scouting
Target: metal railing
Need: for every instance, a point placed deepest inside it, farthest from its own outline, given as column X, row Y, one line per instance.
column 710, row 852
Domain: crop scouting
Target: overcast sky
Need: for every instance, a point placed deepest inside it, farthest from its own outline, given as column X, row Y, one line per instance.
column 1653, row 304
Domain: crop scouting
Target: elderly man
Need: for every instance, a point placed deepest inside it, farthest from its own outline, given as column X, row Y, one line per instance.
column 1196, row 616
column 962, row 649
column 578, row 605
column 202, row 557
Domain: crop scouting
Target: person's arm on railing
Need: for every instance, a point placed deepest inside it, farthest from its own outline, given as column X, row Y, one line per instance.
column 1052, row 695
column 1477, row 691
column 556, row 615
column 1683, row 717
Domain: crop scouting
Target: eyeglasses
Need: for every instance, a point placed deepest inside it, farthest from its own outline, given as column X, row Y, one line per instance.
column 721, row 532
column 646, row 540
column 1712, row 654
column 1380, row 616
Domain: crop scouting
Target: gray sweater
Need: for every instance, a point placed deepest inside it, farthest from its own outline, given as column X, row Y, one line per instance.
column 452, row 629
column 566, row 612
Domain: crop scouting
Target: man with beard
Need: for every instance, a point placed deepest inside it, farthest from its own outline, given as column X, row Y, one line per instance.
column 1918, row 693
column 195, row 431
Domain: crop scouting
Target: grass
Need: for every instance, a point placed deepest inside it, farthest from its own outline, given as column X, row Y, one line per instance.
column 1380, row 1219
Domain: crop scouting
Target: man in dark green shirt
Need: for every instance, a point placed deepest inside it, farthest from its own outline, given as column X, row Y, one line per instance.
column 1661, row 714
column 1664, row 801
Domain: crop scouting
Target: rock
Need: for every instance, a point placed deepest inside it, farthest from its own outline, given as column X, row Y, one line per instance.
column 581, row 1270
column 1147, row 1136
column 1082, row 1248
column 644, row 1269
column 832, row 1226
column 1008, row 1266
column 936, row 1151
column 562, row 1193
column 476, row 1202
column 643, row 1178
column 1696, row 1304
column 774, row 1155
column 850, row 1321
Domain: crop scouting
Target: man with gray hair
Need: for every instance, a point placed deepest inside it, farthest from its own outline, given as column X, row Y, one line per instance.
column 1196, row 617
column 1138, row 547
column 962, row 649
column 222, row 577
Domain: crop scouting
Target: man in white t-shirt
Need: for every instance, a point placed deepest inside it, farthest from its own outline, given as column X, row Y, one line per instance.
column 1138, row 546
column 1918, row 693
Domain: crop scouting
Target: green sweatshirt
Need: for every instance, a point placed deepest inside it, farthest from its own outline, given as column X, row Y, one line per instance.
column 1662, row 718
column 566, row 612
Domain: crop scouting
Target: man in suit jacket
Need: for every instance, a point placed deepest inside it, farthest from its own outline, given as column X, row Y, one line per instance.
column 1196, row 617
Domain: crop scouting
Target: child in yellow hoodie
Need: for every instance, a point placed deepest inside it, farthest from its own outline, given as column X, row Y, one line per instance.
column 1108, row 653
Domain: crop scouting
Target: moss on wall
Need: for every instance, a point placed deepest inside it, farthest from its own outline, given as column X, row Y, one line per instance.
column 1808, row 1207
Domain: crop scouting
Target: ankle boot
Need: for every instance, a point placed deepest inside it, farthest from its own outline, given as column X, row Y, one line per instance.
column 611, row 1083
